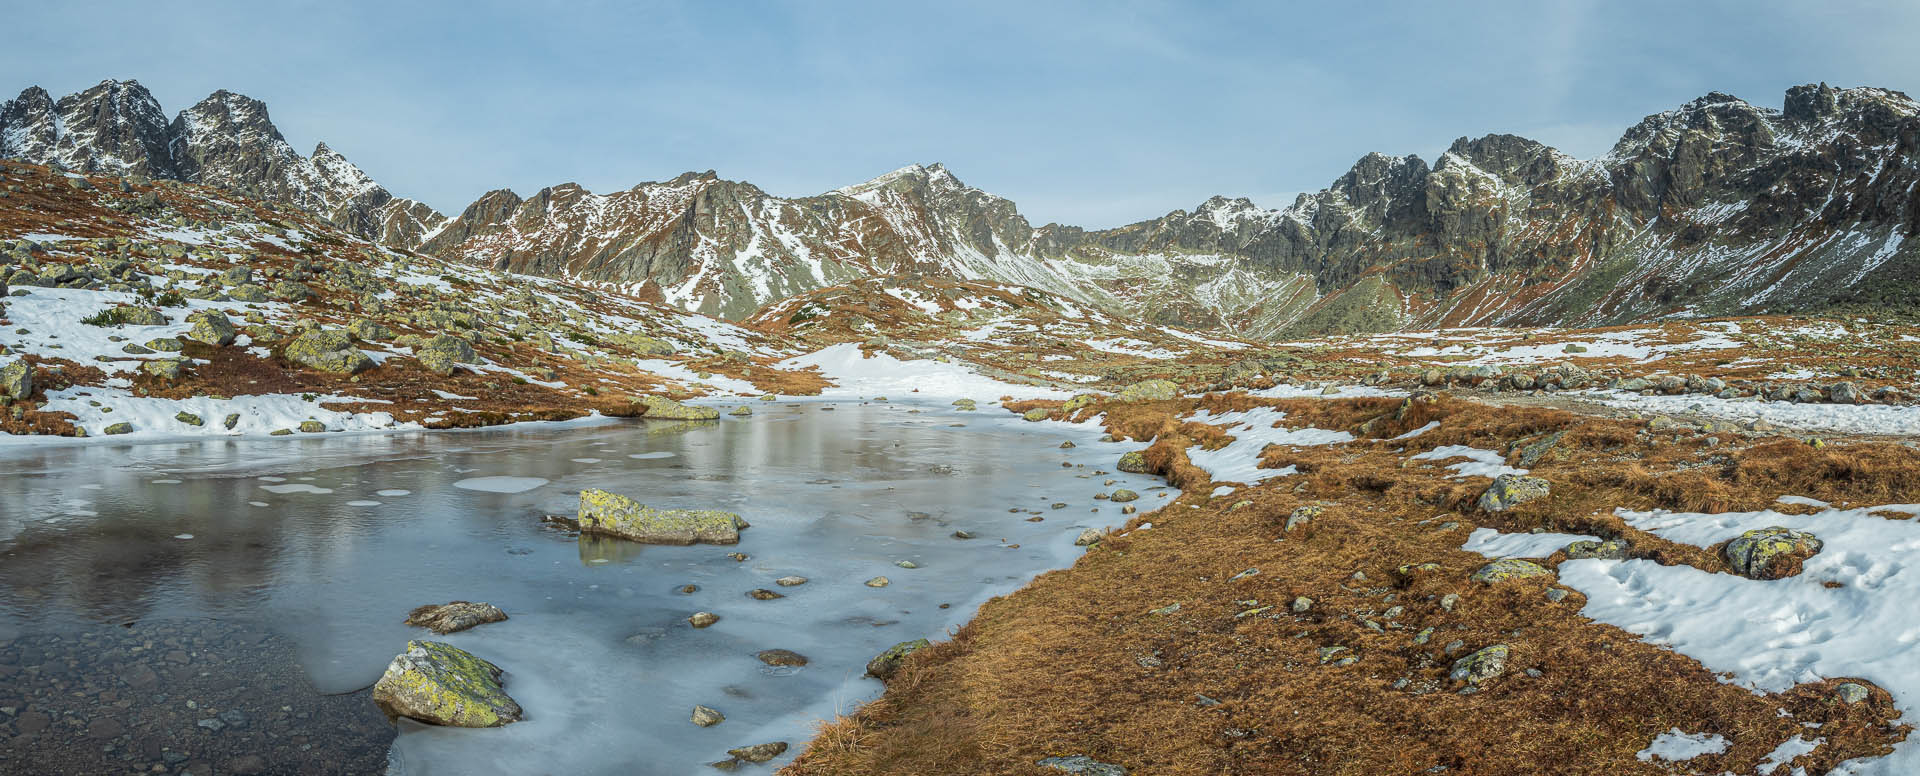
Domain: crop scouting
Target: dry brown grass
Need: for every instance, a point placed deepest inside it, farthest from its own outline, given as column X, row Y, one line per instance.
column 1075, row 663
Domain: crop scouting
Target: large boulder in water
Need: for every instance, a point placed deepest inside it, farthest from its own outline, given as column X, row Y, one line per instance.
column 442, row 684
column 663, row 408
column 612, row 514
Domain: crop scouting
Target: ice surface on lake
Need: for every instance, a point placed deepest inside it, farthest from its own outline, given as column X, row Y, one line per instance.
column 597, row 648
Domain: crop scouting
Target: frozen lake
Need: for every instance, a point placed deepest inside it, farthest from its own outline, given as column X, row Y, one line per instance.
column 280, row 571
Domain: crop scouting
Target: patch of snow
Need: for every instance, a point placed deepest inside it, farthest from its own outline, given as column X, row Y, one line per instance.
column 1481, row 463
column 1495, row 544
column 1675, row 746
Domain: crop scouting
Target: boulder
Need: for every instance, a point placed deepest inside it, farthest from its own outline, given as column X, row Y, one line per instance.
column 663, row 408
column 1844, row 393
column 248, row 292
column 165, row 368
column 1036, row 414
column 1134, row 462
column 640, row 344
column 441, row 684
column 883, row 665
column 706, row 716
column 212, row 328
column 1087, row 538
column 1123, row 495
column 117, row 429
column 611, row 514
column 369, row 330
column 440, row 353
column 455, row 616
column 16, row 380
column 1770, row 553
column 327, row 350
column 1510, row 490
column 1150, row 390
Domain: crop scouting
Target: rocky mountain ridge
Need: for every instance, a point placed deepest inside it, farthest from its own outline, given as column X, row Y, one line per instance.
column 1717, row 207
column 225, row 140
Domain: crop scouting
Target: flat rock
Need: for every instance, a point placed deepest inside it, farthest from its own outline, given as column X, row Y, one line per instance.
column 455, row 616
column 611, row 514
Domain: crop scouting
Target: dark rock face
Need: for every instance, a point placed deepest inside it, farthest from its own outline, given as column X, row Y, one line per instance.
column 225, row 140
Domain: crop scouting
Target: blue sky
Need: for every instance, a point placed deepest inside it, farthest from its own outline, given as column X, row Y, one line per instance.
column 1096, row 114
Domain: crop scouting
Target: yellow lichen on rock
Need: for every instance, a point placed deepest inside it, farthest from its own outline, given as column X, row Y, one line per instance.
column 444, row 685
column 609, row 513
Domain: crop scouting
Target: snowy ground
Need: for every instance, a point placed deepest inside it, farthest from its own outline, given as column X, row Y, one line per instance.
column 1831, row 418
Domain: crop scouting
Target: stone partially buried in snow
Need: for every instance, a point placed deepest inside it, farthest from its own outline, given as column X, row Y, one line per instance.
column 442, row 684
column 1771, row 553
column 612, row 514
column 663, row 408
column 1509, row 569
column 455, row 616
column 1082, row 765
column 1150, row 390
column 1510, row 490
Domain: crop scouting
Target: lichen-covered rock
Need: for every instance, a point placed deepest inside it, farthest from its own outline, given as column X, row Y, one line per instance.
column 164, row 368
column 312, row 427
column 1302, row 515
column 1150, row 390
column 189, row 418
column 759, row 753
column 705, row 716
column 248, row 292
column 1123, row 496
column 1036, row 414
column 883, row 665
column 1082, row 765
column 212, row 328
column 141, row 316
column 611, row 514
column 327, row 350
column 442, row 684
column 1076, row 403
column 1510, row 490
column 455, row 616
column 440, row 353
column 1771, row 553
column 117, row 429
column 289, row 291
column 1133, row 462
column 1508, row 569
column 641, row 344
column 369, row 330
column 1611, row 549
column 1483, row 665
column 1852, row 693
column 16, row 380
column 966, row 405
column 741, row 411
column 663, row 408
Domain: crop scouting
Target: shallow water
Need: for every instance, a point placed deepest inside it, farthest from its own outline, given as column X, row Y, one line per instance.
column 321, row 546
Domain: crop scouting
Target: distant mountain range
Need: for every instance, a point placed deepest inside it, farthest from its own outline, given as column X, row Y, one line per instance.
column 1717, row 207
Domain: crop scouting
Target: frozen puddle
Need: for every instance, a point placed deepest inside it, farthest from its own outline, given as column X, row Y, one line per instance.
column 501, row 484
column 597, row 648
